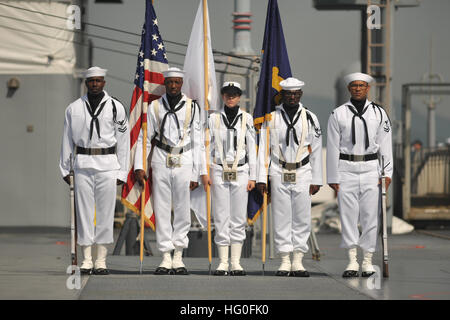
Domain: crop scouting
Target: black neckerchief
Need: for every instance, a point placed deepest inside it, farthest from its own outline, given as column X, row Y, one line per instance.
column 94, row 118
column 359, row 104
column 173, row 100
column 94, row 99
column 231, row 124
column 231, row 113
column 171, row 110
column 291, row 110
column 359, row 114
column 290, row 122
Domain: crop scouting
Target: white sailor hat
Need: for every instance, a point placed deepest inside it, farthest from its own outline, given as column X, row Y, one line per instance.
column 173, row 72
column 95, row 72
column 231, row 84
column 291, row 84
column 357, row 76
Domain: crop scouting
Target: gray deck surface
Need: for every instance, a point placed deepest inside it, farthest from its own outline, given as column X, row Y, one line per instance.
column 33, row 266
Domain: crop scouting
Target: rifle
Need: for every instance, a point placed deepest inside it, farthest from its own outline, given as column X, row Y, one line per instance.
column 384, row 221
column 264, row 226
column 73, row 222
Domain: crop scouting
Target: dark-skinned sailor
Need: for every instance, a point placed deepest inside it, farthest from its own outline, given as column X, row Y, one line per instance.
column 295, row 173
column 359, row 135
column 97, row 137
column 174, row 122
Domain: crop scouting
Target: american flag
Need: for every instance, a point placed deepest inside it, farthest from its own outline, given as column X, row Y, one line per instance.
column 149, row 85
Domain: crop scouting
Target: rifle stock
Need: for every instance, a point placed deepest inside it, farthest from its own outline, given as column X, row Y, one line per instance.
column 384, row 221
column 73, row 223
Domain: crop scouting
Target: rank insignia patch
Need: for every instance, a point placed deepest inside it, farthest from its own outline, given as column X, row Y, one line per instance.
column 386, row 126
column 318, row 132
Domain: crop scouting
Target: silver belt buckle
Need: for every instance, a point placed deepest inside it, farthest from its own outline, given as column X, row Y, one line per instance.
column 290, row 166
column 173, row 161
column 229, row 175
column 289, row 177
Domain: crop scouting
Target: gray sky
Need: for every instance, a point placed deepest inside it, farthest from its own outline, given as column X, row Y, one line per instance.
column 321, row 44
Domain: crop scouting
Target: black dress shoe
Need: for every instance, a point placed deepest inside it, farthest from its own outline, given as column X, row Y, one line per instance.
column 181, row 271
column 101, row 272
column 350, row 274
column 300, row 273
column 281, row 273
column 220, row 273
column 366, row 274
column 163, row 271
column 238, row 273
column 88, row 272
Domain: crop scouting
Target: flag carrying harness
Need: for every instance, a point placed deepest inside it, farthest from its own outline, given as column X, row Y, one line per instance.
column 230, row 174
column 174, row 152
column 289, row 168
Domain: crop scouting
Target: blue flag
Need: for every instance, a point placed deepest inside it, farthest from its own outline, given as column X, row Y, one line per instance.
column 275, row 68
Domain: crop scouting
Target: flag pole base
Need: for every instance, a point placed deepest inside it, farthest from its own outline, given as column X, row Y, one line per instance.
column 263, row 271
column 140, row 268
column 209, row 269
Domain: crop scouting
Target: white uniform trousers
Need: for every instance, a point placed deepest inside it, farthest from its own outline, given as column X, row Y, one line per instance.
column 229, row 208
column 95, row 196
column 291, row 209
column 358, row 200
column 171, row 186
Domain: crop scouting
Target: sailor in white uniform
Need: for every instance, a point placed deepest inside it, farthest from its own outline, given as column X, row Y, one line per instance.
column 295, row 173
column 174, row 122
column 233, row 175
column 96, row 137
column 359, row 136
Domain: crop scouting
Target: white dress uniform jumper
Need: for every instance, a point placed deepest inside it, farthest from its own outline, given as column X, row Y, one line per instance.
column 295, row 164
column 233, row 154
column 100, row 144
column 356, row 141
column 176, row 160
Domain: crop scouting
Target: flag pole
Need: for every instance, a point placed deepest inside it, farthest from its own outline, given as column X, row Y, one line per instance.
column 144, row 164
column 206, row 78
column 144, row 159
column 266, row 164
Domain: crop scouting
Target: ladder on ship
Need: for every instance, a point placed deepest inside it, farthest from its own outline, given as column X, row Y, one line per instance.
column 379, row 55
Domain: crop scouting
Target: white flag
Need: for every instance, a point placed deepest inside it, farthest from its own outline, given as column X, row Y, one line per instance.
column 194, row 79
column 194, row 87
